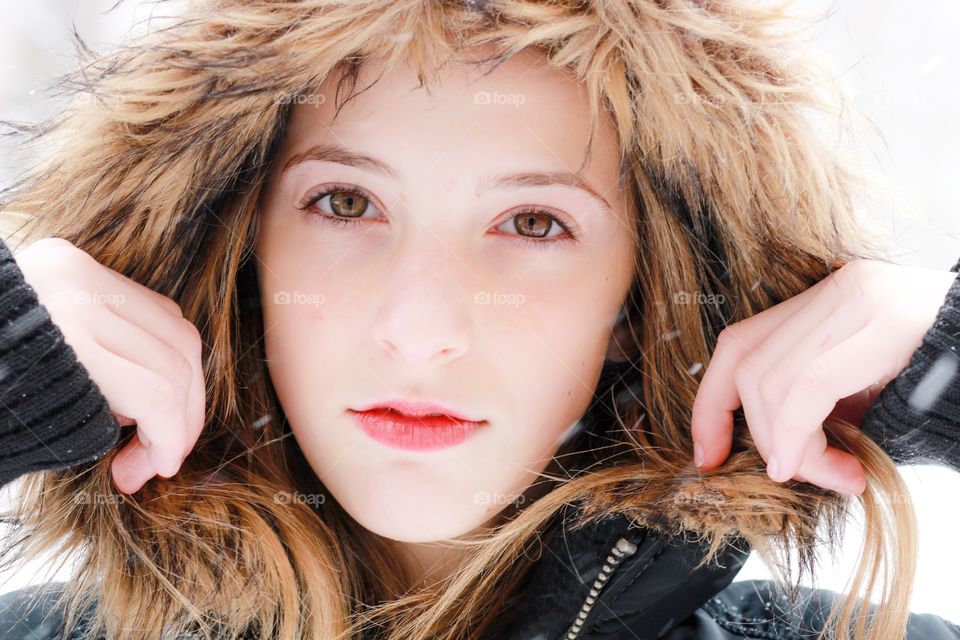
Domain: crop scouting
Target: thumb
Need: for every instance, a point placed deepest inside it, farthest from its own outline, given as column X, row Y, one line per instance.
column 131, row 467
column 123, row 420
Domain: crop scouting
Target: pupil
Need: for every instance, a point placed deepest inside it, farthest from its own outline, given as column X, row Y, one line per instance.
column 348, row 203
column 537, row 230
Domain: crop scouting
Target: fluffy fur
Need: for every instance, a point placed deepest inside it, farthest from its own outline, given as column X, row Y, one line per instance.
column 156, row 169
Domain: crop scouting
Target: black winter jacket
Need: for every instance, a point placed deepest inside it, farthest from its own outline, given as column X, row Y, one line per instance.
column 611, row 580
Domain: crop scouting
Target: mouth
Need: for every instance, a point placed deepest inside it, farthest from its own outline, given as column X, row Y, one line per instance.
column 416, row 427
column 420, row 410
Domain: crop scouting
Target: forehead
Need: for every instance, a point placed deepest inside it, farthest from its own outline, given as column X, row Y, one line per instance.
column 521, row 114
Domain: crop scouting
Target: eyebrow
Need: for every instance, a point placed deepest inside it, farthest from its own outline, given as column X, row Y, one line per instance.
column 327, row 152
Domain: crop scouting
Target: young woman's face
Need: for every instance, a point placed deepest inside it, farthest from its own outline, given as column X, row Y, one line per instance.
column 419, row 277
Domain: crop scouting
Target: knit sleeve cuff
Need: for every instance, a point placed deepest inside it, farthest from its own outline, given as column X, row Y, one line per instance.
column 52, row 414
column 916, row 418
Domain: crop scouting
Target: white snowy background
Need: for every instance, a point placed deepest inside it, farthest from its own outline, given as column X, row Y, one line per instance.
column 898, row 62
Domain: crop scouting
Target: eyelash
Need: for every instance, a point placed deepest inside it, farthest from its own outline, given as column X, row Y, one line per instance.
column 323, row 218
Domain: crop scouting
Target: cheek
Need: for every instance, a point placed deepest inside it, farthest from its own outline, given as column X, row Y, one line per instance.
column 301, row 330
column 551, row 375
column 543, row 392
column 296, row 332
column 566, row 328
column 568, row 357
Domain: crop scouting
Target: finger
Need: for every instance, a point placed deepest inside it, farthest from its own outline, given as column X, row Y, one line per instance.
column 162, row 317
column 183, row 336
column 147, row 397
column 183, row 370
column 145, row 308
column 783, row 363
column 717, row 397
column 832, row 468
column 841, row 371
column 196, row 396
column 131, row 467
column 755, row 414
column 123, row 284
column 812, row 330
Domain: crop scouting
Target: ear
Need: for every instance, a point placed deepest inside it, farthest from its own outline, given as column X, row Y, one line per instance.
column 621, row 341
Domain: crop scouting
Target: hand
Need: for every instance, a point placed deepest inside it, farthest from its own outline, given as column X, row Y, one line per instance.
column 825, row 352
column 137, row 347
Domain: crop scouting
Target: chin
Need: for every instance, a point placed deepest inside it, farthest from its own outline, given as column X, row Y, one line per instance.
column 418, row 518
column 416, row 529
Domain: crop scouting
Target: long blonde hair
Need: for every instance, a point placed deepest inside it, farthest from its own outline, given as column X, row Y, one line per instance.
column 156, row 171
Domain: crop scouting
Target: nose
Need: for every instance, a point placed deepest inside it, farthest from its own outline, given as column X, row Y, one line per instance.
column 423, row 319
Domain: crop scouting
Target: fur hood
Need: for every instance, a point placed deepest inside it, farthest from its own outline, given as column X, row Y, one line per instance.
column 166, row 151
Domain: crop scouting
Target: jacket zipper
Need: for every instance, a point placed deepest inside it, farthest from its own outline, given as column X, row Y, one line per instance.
column 622, row 549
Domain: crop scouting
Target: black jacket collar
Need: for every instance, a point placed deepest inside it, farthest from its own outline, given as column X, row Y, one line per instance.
column 613, row 579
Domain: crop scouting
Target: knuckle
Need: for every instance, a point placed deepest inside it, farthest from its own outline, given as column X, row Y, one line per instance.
column 46, row 261
column 162, row 394
column 52, row 243
column 871, row 295
column 70, row 255
column 184, row 369
column 816, row 378
column 860, row 279
column 729, row 337
column 172, row 305
column 742, row 379
column 192, row 336
column 855, row 268
column 772, row 388
column 748, row 372
column 191, row 342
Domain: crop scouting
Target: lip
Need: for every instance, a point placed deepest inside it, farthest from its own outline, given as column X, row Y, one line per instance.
column 407, row 425
column 419, row 409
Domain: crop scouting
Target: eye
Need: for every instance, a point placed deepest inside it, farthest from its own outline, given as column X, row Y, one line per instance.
column 343, row 204
column 337, row 204
column 532, row 223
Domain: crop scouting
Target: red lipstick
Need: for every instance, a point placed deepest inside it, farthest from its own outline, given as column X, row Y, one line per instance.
column 415, row 426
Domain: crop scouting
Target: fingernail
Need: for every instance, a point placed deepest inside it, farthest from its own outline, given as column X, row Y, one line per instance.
column 697, row 454
column 773, row 469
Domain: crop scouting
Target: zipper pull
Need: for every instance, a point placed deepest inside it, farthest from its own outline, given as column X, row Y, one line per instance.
column 622, row 549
